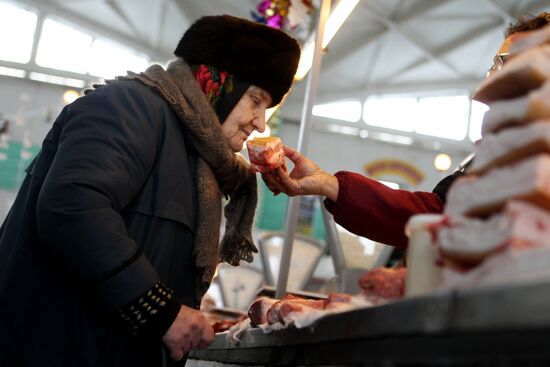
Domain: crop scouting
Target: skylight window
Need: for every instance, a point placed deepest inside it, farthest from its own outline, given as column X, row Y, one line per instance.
column 16, row 33
column 396, row 113
column 444, row 117
column 476, row 118
column 109, row 60
column 63, row 47
column 345, row 110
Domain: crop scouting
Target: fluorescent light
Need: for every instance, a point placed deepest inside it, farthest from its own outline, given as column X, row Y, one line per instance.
column 53, row 79
column 341, row 12
column 391, row 138
column 342, row 110
column 18, row 73
column 306, row 60
column 341, row 129
column 337, row 17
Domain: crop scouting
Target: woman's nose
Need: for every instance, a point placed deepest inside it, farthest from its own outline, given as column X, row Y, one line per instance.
column 259, row 122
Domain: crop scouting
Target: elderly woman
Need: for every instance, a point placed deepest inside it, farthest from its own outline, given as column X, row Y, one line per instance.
column 114, row 235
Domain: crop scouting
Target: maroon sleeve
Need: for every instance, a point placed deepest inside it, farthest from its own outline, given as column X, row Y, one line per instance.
column 371, row 209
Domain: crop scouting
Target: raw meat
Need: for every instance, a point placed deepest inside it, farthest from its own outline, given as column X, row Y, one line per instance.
column 280, row 310
column 524, row 72
column 471, row 240
column 510, row 146
column 517, row 111
column 257, row 311
column 266, row 154
column 528, row 180
column 383, row 283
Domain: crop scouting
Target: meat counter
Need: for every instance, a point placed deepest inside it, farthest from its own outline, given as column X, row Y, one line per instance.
column 504, row 326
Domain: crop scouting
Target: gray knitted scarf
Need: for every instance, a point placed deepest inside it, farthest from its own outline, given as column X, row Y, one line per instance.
column 219, row 170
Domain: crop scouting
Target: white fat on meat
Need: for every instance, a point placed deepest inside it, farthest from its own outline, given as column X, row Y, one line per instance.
column 470, row 240
column 522, row 73
column 528, row 180
column 502, row 268
column 511, row 145
column 266, row 154
column 525, row 109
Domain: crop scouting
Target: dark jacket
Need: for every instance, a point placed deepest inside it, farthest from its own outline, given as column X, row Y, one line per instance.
column 106, row 210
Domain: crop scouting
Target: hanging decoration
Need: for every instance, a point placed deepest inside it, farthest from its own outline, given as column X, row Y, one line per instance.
column 292, row 16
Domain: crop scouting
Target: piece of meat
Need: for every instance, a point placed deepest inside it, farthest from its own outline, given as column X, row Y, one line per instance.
column 257, row 312
column 510, row 146
column 528, row 180
column 518, row 111
column 384, row 283
column 266, row 154
column 223, row 325
column 469, row 241
column 338, row 297
column 281, row 309
column 523, row 73
column 506, row 267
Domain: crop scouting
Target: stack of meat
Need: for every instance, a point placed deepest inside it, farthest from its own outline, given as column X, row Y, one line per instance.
column 497, row 227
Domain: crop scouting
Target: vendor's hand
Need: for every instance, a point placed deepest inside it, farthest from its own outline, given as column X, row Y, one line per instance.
column 306, row 178
column 190, row 330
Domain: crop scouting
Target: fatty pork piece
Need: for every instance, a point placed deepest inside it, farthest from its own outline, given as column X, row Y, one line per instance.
column 518, row 111
column 383, row 283
column 468, row 241
column 280, row 311
column 482, row 196
column 257, row 312
column 522, row 73
column 510, row 146
column 266, row 154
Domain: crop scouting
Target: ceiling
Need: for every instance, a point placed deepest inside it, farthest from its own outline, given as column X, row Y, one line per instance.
column 385, row 46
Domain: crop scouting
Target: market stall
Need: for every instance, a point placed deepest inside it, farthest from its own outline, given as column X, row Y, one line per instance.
column 501, row 325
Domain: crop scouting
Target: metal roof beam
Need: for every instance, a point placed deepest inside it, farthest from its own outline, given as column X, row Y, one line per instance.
column 428, row 54
column 122, row 15
column 457, row 43
column 358, row 43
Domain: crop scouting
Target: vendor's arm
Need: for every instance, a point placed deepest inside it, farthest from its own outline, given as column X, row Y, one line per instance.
column 368, row 208
column 361, row 205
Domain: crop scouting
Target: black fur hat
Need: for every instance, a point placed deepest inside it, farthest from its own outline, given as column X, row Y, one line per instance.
column 252, row 52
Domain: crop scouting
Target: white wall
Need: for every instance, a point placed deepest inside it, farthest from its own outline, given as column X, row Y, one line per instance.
column 31, row 108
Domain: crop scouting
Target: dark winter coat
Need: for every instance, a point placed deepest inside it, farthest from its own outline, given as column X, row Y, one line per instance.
column 107, row 209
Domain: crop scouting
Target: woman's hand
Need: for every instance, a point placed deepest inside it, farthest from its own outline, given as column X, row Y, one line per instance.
column 305, row 179
column 190, row 330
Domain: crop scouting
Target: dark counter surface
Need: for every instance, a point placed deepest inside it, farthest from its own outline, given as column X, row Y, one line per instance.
column 501, row 325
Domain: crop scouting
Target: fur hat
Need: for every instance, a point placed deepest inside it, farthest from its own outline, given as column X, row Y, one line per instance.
column 252, row 52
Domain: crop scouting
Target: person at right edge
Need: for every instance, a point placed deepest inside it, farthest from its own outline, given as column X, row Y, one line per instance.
column 365, row 206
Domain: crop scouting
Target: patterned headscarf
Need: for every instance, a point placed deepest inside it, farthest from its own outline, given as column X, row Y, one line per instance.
column 222, row 89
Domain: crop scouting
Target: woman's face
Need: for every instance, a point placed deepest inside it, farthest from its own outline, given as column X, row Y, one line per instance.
column 247, row 115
